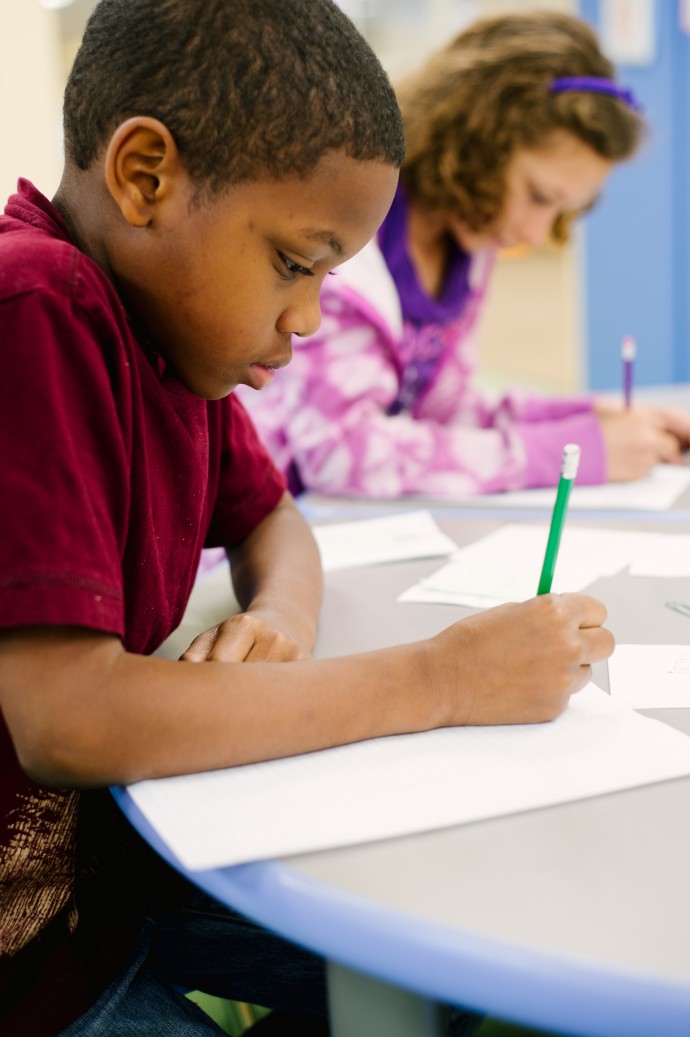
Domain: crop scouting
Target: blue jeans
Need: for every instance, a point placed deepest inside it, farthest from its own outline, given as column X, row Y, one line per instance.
column 191, row 942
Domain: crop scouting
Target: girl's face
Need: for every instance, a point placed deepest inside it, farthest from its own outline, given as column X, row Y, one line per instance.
column 563, row 175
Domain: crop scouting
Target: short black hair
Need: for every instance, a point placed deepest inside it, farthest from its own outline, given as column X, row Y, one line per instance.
column 249, row 89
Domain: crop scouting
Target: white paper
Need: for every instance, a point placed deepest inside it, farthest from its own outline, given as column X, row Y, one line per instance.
column 657, row 492
column 390, row 538
column 506, row 564
column 409, row 783
column 650, row 676
column 662, row 554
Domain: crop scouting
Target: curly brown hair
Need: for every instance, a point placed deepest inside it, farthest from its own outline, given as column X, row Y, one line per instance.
column 486, row 94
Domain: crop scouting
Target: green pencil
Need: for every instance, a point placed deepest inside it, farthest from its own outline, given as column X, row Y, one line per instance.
column 571, row 459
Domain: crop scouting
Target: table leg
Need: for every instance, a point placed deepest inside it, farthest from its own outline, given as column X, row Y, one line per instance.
column 361, row 1006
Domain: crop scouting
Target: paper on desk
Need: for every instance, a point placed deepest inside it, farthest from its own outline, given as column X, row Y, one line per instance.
column 662, row 554
column 657, row 492
column 650, row 676
column 409, row 783
column 390, row 538
column 505, row 565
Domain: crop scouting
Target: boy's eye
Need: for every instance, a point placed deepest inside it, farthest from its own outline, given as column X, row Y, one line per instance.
column 294, row 269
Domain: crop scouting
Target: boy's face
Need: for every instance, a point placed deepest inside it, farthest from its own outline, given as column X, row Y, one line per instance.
column 223, row 286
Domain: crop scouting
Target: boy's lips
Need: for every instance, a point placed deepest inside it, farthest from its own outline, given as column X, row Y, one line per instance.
column 260, row 375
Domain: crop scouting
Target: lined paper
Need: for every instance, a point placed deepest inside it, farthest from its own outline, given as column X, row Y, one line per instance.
column 409, row 783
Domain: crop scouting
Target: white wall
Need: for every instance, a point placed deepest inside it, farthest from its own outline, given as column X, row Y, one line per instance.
column 31, row 79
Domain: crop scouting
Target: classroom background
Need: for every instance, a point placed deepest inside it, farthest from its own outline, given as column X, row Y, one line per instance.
column 555, row 317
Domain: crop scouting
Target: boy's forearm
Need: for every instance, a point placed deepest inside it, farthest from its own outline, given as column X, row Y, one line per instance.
column 278, row 567
column 83, row 712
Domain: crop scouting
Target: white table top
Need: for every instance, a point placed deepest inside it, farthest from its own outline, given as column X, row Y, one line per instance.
column 572, row 917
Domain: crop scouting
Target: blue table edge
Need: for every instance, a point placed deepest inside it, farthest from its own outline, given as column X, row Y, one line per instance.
column 526, row 986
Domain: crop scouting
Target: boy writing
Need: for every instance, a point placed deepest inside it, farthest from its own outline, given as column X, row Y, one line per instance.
column 222, row 157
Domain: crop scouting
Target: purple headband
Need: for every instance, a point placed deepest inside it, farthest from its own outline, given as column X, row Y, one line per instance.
column 598, row 85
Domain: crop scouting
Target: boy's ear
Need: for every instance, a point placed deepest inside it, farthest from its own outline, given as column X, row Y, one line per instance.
column 141, row 163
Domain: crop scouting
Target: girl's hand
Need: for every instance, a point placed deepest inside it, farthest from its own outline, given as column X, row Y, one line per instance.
column 641, row 437
column 257, row 636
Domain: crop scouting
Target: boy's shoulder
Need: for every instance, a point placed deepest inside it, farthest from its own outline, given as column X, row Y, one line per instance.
column 33, row 262
column 36, row 253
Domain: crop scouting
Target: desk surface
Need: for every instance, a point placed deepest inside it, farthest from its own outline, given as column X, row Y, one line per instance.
column 572, row 917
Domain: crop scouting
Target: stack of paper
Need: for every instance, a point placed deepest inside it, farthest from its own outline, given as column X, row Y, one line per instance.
column 505, row 565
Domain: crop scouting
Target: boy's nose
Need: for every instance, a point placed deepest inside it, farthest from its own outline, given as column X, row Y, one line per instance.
column 301, row 319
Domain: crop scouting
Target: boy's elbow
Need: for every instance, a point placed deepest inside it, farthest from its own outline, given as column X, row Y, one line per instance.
column 54, row 756
column 54, row 687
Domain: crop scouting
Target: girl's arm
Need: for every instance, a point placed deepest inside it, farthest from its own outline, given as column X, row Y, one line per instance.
column 328, row 413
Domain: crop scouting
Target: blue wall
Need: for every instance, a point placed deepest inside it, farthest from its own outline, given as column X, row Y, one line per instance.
column 637, row 242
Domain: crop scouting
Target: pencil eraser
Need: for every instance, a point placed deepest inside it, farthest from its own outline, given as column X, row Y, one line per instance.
column 628, row 348
column 571, row 460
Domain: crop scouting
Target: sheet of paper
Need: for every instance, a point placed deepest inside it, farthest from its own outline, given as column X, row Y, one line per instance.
column 409, row 783
column 505, row 565
column 389, row 538
column 650, row 676
column 662, row 554
column 657, row 492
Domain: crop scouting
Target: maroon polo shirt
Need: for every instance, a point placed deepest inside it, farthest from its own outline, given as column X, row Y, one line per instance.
column 114, row 477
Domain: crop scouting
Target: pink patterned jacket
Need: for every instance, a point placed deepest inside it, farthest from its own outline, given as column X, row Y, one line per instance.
column 329, row 418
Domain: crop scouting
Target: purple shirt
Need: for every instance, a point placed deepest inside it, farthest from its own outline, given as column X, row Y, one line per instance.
column 421, row 352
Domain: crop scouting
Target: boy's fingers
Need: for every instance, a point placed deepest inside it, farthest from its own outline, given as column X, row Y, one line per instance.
column 200, row 647
column 598, row 644
column 584, row 676
column 591, row 611
column 243, row 639
column 228, row 642
column 276, row 649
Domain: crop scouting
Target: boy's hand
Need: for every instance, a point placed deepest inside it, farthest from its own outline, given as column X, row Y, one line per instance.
column 641, row 437
column 258, row 636
column 519, row 663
